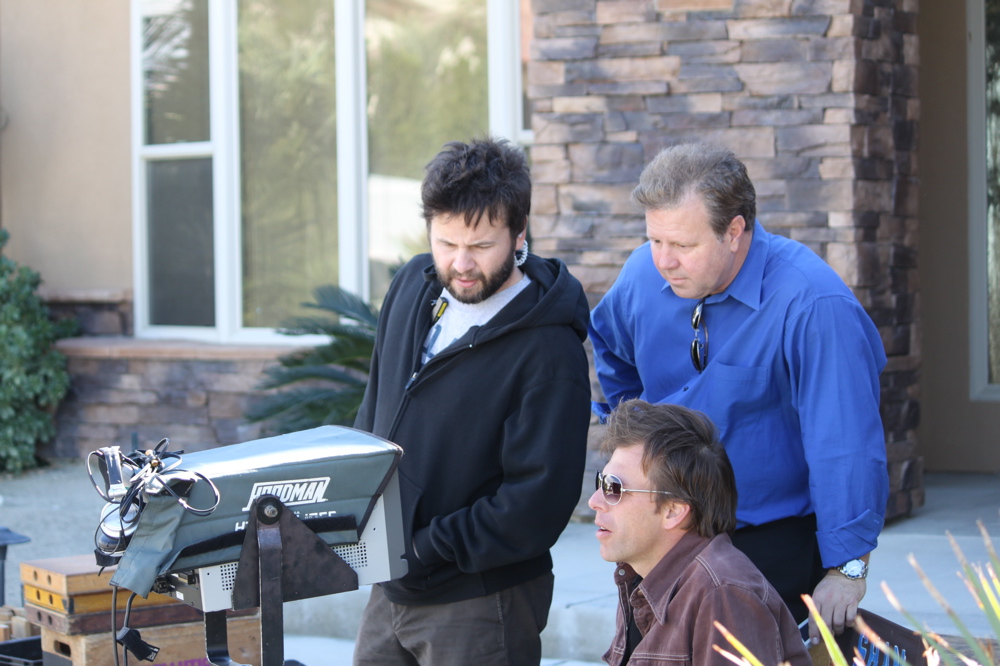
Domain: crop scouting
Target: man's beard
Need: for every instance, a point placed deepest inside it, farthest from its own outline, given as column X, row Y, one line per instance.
column 491, row 283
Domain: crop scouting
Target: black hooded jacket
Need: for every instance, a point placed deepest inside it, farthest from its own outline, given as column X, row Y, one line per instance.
column 493, row 430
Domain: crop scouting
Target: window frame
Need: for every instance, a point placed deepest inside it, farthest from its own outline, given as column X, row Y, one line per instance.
column 979, row 386
column 505, row 118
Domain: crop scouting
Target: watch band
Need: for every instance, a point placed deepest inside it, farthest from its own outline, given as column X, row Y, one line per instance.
column 854, row 569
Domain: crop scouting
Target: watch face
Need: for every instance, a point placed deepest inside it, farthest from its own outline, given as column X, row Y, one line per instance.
column 853, row 569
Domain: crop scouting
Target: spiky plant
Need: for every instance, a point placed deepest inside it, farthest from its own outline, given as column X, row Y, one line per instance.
column 966, row 649
column 320, row 385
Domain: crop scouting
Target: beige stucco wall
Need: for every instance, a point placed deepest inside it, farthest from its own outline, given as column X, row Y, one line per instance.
column 956, row 433
column 65, row 177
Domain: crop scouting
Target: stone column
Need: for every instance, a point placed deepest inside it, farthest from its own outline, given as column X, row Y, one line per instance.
column 817, row 97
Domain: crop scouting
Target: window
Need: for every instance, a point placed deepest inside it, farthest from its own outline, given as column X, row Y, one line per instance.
column 983, row 21
column 426, row 84
column 280, row 146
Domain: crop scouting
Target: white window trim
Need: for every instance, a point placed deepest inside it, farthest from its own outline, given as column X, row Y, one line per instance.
column 224, row 109
column 505, row 120
column 352, row 147
column 140, row 292
column 980, row 388
column 503, row 55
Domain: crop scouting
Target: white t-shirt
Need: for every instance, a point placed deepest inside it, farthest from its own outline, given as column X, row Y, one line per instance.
column 459, row 317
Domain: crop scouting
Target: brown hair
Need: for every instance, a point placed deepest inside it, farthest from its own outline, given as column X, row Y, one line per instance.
column 485, row 177
column 710, row 172
column 682, row 455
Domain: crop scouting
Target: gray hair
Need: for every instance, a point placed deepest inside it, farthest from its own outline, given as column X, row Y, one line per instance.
column 711, row 172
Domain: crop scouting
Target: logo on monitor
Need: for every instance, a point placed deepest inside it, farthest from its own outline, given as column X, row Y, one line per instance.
column 292, row 492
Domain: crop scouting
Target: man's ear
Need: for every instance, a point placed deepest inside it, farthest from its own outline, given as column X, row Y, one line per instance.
column 676, row 515
column 519, row 240
column 737, row 227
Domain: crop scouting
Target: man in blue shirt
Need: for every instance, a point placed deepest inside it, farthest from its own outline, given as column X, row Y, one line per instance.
column 789, row 373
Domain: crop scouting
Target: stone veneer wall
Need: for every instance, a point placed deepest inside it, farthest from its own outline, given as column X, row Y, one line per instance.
column 817, row 97
column 97, row 311
column 192, row 393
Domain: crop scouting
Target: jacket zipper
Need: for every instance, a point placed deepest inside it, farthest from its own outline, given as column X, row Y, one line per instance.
column 413, row 380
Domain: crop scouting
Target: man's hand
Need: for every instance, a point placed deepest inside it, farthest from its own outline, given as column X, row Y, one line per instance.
column 837, row 598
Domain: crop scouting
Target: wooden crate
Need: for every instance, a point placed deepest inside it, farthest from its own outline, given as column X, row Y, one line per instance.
column 95, row 623
column 67, row 576
column 178, row 643
column 14, row 624
column 89, row 603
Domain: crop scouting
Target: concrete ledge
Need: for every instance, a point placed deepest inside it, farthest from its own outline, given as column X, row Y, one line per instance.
column 133, row 348
column 57, row 295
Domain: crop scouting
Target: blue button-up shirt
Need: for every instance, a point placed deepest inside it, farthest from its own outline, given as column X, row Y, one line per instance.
column 791, row 383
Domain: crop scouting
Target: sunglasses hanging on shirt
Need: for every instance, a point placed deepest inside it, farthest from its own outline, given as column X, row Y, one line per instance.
column 699, row 349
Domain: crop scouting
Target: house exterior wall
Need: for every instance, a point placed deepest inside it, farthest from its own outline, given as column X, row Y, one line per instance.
column 65, row 173
column 818, row 97
column 957, row 432
column 195, row 394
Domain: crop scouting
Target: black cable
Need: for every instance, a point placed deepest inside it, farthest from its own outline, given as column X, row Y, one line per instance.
column 140, row 470
column 114, row 621
column 131, row 639
column 128, row 607
column 128, row 613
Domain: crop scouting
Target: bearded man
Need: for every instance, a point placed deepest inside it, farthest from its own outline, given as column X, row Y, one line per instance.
column 479, row 373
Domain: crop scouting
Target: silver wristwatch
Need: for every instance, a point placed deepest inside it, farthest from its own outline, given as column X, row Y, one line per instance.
column 854, row 569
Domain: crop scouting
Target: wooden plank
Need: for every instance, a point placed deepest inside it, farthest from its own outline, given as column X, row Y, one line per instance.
column 66, row 576
column 88, row 603
column 142, row 616
column 178, row 643
column 92, row 623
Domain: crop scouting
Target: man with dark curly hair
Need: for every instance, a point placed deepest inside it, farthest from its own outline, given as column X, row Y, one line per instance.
column 479, row 373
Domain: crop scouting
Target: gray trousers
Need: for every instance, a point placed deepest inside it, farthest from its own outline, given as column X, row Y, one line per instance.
column 501, row 629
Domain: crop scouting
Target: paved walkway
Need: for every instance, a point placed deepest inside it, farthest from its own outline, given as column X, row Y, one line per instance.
column 58, row 508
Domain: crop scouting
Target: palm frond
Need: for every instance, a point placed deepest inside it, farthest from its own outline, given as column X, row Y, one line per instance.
column 340, row 351
column 278, row 376
column 325, row 326
column 321, row 385
column 343, row 303
column 300, row 409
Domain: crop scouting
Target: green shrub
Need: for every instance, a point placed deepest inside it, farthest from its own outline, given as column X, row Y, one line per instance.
column 33, row 377
column 328, row 382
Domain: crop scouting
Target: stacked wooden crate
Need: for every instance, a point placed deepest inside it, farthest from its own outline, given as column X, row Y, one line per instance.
column 71, row 600
column 14, row 624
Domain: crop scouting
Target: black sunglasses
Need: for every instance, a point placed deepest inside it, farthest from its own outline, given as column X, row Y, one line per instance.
column 699, row 349
column 611, row 486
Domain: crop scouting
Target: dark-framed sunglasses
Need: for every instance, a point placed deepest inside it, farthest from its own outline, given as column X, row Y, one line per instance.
column 611, row 486
column 699, row 349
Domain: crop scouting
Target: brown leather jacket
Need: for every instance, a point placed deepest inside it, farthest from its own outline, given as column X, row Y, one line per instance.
column 698, row 582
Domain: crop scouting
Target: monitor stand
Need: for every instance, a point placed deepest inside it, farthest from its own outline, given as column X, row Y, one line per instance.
column 282, row 560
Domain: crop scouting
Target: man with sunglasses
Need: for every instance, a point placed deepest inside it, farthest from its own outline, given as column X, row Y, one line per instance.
column 789, row 374
column 665, row 505
column 479, row 373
